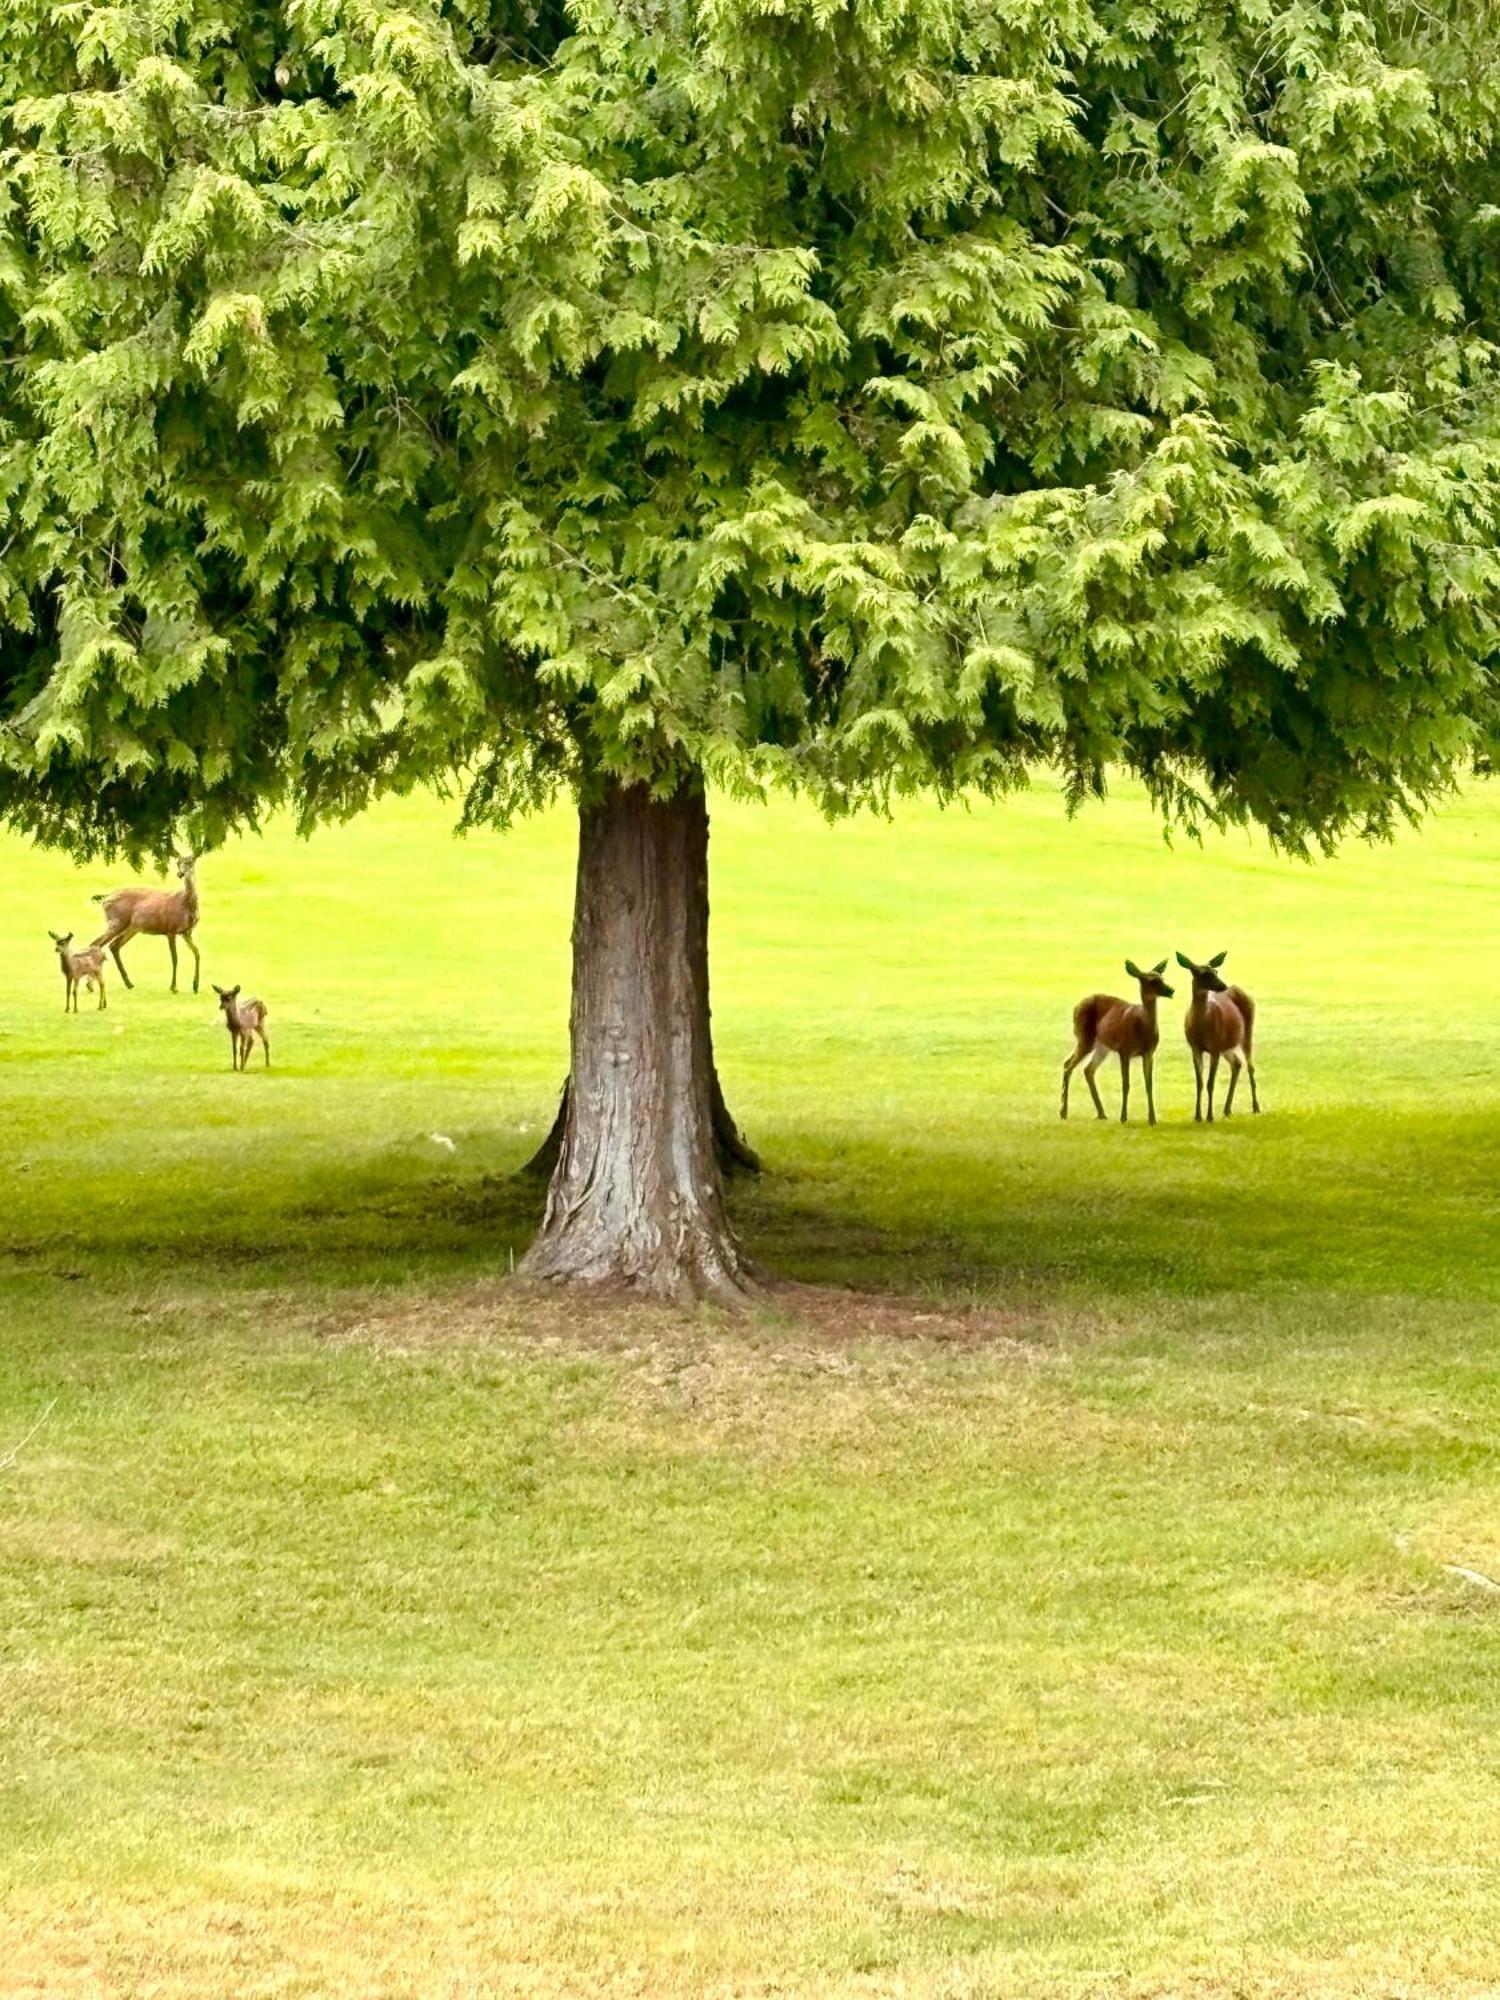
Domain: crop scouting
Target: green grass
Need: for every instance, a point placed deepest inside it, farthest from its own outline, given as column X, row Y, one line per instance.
column 1077, row 1615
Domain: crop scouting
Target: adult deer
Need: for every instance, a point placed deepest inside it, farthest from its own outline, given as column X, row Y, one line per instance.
column 1103, row 1026
column 168, row 913
column 1220, row 1022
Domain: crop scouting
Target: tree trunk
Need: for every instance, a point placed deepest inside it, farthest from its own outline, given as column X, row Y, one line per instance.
column 733, row 1150
column 637, row 1198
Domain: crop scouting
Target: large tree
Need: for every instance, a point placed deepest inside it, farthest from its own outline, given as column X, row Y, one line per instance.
column 632, row 397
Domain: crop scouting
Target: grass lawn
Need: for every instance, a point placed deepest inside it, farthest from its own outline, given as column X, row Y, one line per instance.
column 1077, row 1610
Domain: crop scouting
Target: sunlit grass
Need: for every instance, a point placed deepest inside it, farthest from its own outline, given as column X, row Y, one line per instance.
column 1090, row 1623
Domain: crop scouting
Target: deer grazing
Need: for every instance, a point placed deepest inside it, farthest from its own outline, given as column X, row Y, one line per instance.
column 168, row 913
column 1103, row 1026
column 80, row 968
column 245, row 1019
column 1220, row 1022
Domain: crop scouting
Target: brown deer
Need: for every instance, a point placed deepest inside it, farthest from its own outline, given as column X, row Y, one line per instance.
column 245, row 1019
column 80, row 968
column 1103, row 1026
column 1220, row 1022
column 168, row 913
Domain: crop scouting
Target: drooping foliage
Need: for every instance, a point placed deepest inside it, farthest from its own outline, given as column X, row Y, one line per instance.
column 862, row 396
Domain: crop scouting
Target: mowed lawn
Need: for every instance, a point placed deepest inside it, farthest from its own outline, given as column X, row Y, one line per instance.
column 1075, row 1585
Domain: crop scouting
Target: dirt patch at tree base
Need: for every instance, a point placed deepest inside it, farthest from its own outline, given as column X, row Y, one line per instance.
column 514, row 1310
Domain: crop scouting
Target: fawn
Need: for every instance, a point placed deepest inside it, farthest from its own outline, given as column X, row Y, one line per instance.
column 245, row 1019
column 168, row 913
column 1103, row 1025
column 80, row 968
column 1220, row 1022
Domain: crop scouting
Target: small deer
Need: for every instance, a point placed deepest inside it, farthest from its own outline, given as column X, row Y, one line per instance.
column 80, row 968
column 1103, row 1026
column 245, row 1019
column 168, row 913
column 1220, row 1022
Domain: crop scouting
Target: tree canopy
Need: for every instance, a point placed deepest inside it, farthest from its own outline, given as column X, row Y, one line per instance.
column 861, row 397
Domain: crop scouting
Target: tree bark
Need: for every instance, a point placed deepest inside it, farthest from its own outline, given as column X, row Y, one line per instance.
column 637, row 1196
column 733, row 1150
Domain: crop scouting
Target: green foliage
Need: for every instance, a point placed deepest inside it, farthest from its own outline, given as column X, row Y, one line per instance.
column 861, row 398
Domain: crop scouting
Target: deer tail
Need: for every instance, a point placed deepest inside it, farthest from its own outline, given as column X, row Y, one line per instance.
column 1086, row 1021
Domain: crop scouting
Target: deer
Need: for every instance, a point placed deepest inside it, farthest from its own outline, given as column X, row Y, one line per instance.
column 1220, row 1022
column 168, row 913
column 1103, row 1025
column 245, row 1019
column 80, row 968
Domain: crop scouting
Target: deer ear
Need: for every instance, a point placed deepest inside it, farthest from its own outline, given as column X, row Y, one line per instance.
column 1216, row 962
column 1133, row 969
column 1160, row 969
column 1184, row 961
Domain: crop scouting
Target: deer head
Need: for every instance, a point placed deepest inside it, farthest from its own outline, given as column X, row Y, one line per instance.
column 1205, row 977
column 1152, row 983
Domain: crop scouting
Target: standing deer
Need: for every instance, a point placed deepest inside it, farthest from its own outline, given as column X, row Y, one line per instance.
column 80, row 968
column 1103, row 1025
column 1220, row 1022
column 168, row 913
column 245, row 1019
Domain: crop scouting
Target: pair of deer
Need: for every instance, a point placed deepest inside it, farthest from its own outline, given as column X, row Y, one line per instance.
column 1220, row 1023
column 128, row 913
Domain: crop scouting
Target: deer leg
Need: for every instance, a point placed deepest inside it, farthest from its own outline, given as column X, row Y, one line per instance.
column 68, row 995
column 1148, row 1064
column 1213, row 1071
column 1197, row 1086
column 116, row 945
column 1124, row 1086
column 265, row 1042
column 103, row 1003
column 1254, row 1098
column 172, row 947
column 1088, row 1076
column 1234, row 1077
column 187, row 938
column 1068, row 1068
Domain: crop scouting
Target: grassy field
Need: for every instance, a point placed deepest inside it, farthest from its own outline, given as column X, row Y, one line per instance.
column 1066, row 1597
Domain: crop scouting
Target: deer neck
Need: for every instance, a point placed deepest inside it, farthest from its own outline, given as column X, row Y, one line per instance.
column 190, row 900
column 1148, row 1007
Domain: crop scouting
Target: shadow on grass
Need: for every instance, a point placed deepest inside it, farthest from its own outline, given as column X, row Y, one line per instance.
column 1366, row 1206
